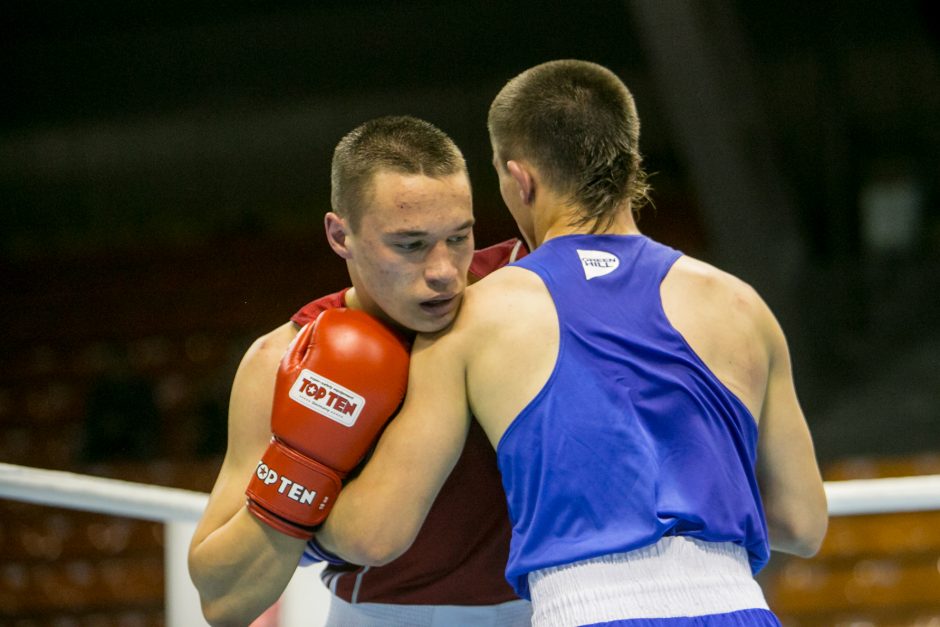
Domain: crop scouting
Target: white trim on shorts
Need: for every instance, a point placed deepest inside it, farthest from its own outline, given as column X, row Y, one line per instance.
column 677, row 576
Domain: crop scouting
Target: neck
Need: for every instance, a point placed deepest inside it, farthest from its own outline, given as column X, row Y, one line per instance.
column 351, row 299
column 560, row 222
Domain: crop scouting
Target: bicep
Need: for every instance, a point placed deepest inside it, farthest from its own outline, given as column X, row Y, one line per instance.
column 249, row 429
column 423, row 442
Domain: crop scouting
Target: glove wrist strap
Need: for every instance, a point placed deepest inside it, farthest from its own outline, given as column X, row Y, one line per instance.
column 291, row 489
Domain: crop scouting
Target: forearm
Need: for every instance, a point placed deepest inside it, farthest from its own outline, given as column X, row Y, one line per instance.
column 241, row 569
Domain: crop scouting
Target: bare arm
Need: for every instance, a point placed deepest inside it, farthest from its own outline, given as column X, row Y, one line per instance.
column 789, row 477
column 377, row 515
column 239, row 566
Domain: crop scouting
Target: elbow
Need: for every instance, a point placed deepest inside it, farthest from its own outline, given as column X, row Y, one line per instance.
column 801, row 534
column 812, row 532
column 379, row 558
column 812, row 536
column 224, row 612
column 366, row 541
column 807, row 543
column 216, row 615
column 219, row 613
column 218, row 608
column 377, row 550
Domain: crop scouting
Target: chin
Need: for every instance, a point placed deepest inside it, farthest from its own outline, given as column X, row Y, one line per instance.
column 435, row 325
column 428, row 327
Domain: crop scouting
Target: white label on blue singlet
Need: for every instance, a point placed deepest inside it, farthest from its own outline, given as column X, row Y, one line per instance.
column 597, row 263
column 327, row 398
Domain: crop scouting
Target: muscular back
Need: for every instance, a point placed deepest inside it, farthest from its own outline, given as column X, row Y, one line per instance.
column 726, row 324
column 512, row 314
column 508, row 337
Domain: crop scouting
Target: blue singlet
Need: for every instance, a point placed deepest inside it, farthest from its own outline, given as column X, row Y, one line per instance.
column 632, row 438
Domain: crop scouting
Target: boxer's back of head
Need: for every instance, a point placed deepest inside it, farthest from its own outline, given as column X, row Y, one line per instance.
column 577, row 122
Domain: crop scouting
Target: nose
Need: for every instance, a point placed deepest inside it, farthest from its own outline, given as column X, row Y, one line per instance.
column 440, row 269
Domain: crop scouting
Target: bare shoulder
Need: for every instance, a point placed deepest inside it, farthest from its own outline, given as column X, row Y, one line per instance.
column 486, row 305
column 492, row 306
column 503, row 294
column 709, row 284
column 253, row 391
column 270, row 347
column 700, row 287
column 258, row 366
column 509, row 333
column 726, row 322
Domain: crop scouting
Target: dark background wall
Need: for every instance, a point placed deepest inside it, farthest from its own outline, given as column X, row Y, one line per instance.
column 164, row 167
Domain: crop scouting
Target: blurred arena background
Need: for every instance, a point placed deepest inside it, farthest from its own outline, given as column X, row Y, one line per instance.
column 164, row 167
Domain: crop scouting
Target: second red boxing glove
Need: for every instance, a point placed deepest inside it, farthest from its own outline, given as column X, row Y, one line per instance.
column 339, row 382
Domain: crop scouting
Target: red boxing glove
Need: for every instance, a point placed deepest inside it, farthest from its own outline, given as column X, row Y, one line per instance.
column 339, row 382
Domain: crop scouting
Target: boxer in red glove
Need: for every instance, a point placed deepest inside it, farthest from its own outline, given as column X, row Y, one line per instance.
column 402, row 220
column 339, row 382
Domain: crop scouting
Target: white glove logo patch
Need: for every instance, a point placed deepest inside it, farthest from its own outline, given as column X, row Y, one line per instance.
column 327, row 398
column 597, row 263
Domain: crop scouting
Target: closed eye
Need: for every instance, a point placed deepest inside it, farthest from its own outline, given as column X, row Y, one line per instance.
column 409, row 246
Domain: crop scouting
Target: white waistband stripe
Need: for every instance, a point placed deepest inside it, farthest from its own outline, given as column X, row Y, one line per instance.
column 677, row 576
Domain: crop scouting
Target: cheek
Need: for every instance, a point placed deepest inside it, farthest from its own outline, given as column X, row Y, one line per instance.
column 466, row 257
column 378, row 262
column 389, row 279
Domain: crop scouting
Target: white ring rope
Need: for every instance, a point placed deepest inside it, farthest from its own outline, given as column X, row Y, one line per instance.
column 96, row 494
column 883, row 496
column 139, row 500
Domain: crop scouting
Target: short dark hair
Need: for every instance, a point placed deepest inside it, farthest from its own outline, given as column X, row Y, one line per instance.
column 402, row 144
column 577, row 122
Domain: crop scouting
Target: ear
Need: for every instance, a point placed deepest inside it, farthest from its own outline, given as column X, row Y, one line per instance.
column 336, row 232
column 524, row 180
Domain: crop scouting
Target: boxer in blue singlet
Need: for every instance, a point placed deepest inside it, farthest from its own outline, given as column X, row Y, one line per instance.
column 641, row 402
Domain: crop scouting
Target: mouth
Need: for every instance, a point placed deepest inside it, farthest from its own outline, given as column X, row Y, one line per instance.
column 440, row 306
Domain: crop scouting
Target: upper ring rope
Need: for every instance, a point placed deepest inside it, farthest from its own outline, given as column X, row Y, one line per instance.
column 97, row 494
column 149, row 502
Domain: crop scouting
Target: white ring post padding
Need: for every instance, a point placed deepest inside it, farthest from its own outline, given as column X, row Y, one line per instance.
column 882, row 496
column 96, row 494
column 181, row 604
